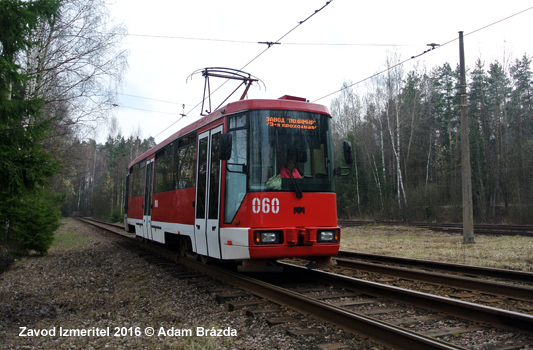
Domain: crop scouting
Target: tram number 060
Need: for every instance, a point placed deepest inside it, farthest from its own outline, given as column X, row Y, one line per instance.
column 265, row 206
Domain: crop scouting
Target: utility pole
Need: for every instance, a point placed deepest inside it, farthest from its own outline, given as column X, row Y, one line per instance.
column 466, row 167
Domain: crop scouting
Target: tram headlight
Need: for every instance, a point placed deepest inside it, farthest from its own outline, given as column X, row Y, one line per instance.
column 328, row 236
column 268, row 237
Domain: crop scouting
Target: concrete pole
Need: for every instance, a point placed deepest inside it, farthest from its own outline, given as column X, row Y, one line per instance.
column 466, row 167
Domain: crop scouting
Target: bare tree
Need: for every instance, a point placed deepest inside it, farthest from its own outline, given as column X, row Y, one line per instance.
column 346, row 110
column 77, row 65
column 374, row 107
column 392, row 84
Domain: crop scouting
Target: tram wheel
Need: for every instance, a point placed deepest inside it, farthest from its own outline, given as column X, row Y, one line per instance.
column 185, row 247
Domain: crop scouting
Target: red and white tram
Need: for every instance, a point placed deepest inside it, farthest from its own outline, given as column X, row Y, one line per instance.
column 215, row 188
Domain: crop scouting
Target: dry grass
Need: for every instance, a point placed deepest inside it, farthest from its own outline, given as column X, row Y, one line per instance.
column 508, row 252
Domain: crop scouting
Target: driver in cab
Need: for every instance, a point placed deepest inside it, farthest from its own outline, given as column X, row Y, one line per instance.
column 289, row 170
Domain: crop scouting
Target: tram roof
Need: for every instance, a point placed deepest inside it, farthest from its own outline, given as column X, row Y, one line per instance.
column 285, row 102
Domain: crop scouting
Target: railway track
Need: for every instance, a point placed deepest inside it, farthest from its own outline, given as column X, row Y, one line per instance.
column 484, row 229
column 364, row 307
column 460, row 317
column 511, row 275
column 405, row 269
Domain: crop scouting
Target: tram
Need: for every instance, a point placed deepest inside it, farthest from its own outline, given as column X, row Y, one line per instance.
column 221, row 187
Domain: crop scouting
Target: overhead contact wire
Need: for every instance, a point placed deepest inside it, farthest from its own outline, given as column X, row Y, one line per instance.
column 416, row 56
column 250, row 62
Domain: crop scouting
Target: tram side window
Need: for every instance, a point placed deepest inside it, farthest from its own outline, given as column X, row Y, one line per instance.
column 262, row 169
column 186, row 161
column 137, row 179
column 236, row 179
column 127, row 194
column 165, row 176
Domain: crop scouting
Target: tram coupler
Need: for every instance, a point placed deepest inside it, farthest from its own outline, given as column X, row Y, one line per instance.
column 259, row 265
column 321, row 262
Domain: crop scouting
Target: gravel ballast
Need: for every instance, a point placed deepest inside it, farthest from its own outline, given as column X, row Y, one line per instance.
column 91, row 291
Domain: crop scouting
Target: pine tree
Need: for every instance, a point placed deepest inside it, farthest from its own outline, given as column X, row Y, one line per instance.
column 24, row 165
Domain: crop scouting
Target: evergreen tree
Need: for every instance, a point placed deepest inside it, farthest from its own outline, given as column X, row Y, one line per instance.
column 498, row 93
column 24, row 165
column 501, row 129
column 480, row 139
column 521, row 129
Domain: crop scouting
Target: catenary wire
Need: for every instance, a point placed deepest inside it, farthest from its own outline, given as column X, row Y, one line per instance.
column 416, row 56
column 307, row 44
column 153, row 99
column 269, row 45
column 149, row 110
column 250, row 62
column 189, row 38
column 256, row 42
column 358, row 82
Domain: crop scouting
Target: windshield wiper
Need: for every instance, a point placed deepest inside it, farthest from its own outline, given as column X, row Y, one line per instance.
column 297, row 189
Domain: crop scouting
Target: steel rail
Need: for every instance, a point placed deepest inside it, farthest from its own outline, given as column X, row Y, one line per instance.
column 352, row 322
column 461, row 309
column 474, row 284
column 513, row 275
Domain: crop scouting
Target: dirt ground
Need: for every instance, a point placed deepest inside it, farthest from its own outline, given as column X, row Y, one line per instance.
column 92, row 292
column 88, row 282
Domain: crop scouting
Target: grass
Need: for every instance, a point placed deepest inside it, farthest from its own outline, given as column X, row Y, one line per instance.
column 67, row 238
column 507, row 252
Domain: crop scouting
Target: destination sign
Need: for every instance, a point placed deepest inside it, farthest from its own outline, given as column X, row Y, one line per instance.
column 291, row 123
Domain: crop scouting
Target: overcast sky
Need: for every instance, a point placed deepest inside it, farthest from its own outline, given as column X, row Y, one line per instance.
column 346, row 41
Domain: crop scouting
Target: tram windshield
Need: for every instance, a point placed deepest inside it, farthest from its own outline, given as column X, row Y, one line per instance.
column 290, row 146
column 279, row 150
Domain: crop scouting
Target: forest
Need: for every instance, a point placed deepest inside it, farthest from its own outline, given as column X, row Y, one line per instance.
column 61, row 67
column 405, row 130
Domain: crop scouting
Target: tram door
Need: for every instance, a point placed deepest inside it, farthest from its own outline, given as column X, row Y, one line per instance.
column 206, row 226
column 147, row 205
